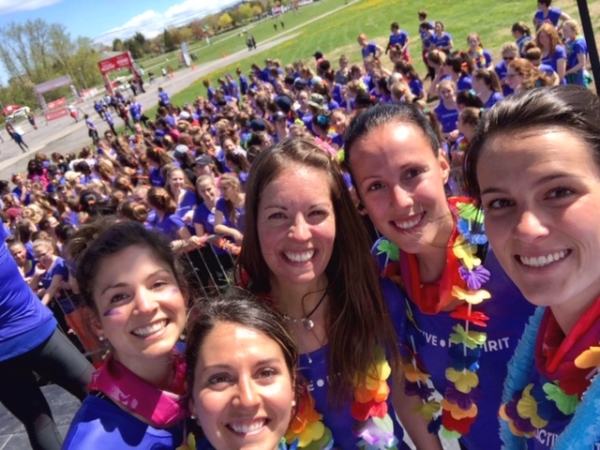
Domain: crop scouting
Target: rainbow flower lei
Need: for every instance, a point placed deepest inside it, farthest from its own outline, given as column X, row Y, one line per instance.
column 374, row 426
column 526, row 408
column 459, row 405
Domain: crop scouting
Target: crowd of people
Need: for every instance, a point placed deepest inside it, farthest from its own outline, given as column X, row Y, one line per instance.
column 315, row 257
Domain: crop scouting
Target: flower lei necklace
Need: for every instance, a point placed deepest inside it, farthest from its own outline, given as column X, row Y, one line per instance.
column 527, row 407
column 478, row 58
column 458, row 407
column 374, row 426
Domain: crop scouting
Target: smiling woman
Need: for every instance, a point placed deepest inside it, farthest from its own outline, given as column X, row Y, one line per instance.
column 542, row 216
column 242, row 366
column 135, row 296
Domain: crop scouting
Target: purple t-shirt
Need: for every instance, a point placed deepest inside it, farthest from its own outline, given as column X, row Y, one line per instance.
column 156, row 179
column 447, row 117
column 501, row 70
column 399, row 39
column 188, row 203
column 100, row 424
column 313, row 368
column 416, row 87
column 494, row 98
column 169, row 225
column 441, row 41
column 552, row 61
column 58, row 268
column 575, row 48
column 24, row 321
column 553, row 16
column 369, row 49
column 240, row 212
column 464, row 82
column 508, row 312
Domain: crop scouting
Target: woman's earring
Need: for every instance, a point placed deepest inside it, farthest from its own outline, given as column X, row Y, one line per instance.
column 101, row 338
column 293, row 403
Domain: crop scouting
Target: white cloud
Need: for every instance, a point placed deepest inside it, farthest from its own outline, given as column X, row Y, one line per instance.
column 151, row 23
column 10, row 6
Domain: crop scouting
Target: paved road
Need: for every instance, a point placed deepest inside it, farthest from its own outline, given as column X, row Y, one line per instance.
column 64, row 135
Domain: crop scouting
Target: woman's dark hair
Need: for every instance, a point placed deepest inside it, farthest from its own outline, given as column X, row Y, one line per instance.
column 570, row 107
column 83, row 167
column 160, row 199
column 95, row 242
column 24, row 230
column 64, row 231
column 522, row 28
column 490, row 78
column 384, row 114
column 232, row 180
column 358, row 318
column 469, row 98
column 240, row 308
column 407, row 69
column 92, row 204
column 460, row 63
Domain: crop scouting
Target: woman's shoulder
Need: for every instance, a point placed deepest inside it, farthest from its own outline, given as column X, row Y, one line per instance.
column 100, row 424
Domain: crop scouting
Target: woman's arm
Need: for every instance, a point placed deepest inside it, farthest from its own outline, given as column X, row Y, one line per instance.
column 561, row 66
column 413, row 423
column 225, row 230
column 199, row 229
column 580, row 65
column 55, row 285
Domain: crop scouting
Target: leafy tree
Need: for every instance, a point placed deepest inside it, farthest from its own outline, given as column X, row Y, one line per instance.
column 168, row 43
column 245, row 11
column 117, row 45
column 225, row 21
column 257, row 10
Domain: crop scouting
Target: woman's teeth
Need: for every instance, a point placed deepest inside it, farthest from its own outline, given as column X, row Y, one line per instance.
column 541, row 261
column 150, row 329
column 300, row 257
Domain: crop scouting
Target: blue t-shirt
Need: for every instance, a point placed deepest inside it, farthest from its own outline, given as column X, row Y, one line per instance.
column 58, row 268
column 205, row 217
column 164, row 97
column 240, row 213
column 188, row 203
column 494, row 98
column 156, row 178
column 441, row 41
column 336, row 93
column 136, row 109
column 313, row 368
column 553, row 16
column 21, row 312
column 243, row 84
column 416, row 87
column 546, row 69
column 465, row 82
column 521, row 43
column 169, row 225
column 17, row 192
column 99, row 424
column 399, row 39
column 552, row 61
column 575, row 48
column 369, row 49
column 508, row 312
column 447, row 117
column 109, row 118
column 501, row 70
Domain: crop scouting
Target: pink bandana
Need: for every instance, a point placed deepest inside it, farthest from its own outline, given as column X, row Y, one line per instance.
column 161, row 408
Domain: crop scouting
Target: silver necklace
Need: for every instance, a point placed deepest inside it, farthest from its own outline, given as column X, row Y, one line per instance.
column 306, row 321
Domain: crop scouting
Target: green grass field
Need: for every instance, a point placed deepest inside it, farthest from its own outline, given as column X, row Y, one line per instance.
column 336, row 33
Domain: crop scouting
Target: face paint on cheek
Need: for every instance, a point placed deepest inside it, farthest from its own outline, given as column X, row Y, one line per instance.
column 173, row 291
column 111, row 312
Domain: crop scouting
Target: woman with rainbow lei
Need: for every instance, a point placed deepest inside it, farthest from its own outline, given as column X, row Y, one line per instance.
column 542, row 215
column 464, row 315
column 306, row 252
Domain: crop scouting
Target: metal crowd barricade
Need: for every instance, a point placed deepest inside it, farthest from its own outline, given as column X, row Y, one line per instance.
column 215, row 267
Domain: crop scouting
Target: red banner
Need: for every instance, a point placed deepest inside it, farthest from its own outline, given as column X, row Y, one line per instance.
column 57, row 103
column 115, row 63
column 56, row 114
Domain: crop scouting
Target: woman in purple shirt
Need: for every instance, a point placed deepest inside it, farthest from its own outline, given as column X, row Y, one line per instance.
column 553, row 53
column 301, row 250
column 487, row 86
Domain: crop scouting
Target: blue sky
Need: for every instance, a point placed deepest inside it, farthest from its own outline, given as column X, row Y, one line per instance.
column 103, row 20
